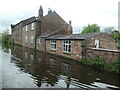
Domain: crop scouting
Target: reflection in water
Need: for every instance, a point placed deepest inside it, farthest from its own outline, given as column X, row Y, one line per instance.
column 48, row 70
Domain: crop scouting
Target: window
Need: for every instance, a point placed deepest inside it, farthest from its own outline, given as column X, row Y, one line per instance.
column 32, row 26
column 67, row 46
column 26, row 28
column 53, row 45
column 31, row 56
column 97, row 43
column 32, row 39
column 39, row 40
column 65, row 67
column 52, row 62
column 26, row 39
column 25, row 54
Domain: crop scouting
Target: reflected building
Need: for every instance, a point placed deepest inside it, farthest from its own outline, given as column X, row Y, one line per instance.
column 53, row 70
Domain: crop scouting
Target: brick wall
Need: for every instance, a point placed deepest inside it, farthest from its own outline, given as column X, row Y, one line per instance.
column 76, row 50
column 40, row 45
column 108, row 55
column 105, row 41
column 29, row 33
column 51, row 21
column 16, row 36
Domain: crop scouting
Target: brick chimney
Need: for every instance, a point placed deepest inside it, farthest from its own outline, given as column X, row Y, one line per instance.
column 69, row 29
column 40, row 12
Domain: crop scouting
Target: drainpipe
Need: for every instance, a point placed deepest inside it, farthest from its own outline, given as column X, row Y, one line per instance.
column 45, row 44
column 35, row 41
column 83, row 48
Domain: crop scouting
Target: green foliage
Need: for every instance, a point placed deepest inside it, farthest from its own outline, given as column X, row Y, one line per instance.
column 6, row 42
column 91, row 28
column 116, row 35
column 85, row 61
column 118, row 62
column 5, row 38
column 118, row 46
column 98, row 62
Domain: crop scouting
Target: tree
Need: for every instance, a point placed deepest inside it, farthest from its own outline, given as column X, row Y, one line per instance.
column 5, row 37
column 108, row 30
column 91, row 28
column 116, row 35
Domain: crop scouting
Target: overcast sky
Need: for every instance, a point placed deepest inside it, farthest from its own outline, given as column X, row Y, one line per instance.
column 80, row 12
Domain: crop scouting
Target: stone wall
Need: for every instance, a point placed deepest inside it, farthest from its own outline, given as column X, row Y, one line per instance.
column 106, row 41
column 107, row 54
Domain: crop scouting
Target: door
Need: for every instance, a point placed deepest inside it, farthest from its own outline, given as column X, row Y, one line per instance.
column 97, row 43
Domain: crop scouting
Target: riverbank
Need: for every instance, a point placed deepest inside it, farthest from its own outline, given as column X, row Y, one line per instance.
column 96, row 62
column 49, row 71
column 100, row 63
column 0, row 68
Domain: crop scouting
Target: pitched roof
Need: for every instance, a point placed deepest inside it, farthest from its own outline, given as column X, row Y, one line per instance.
column 29, row 20
column 51, row 32
column 75, row 36
column 26, row 21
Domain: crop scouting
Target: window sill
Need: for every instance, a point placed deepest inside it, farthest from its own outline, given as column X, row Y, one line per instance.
column 53, row 50
column 69, row 53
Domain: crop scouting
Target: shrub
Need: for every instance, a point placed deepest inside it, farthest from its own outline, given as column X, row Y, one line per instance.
column 85, row 61
column 98, row 62
column 118, row 63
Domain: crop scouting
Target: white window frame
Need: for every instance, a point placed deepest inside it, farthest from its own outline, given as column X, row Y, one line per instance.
column 32, row 39
column 32, row 57
column 53, row 44
column 39, row 40
column 26, row 39
column 67, row 46
column 25, row 54
column 97, row 43
column 32, row 26
column 26, row 28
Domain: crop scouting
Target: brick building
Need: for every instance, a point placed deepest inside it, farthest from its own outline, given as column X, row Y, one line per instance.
column 26, row 31
column 52, row 34
column 76, row 45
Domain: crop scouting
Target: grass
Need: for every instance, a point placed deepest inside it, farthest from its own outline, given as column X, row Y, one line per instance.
column 100, row 63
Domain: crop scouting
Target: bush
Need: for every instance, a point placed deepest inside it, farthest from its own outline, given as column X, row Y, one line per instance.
column 118, row 45
column 98, row 62
column 5, row 38
column 118, row 63
column 85, row 61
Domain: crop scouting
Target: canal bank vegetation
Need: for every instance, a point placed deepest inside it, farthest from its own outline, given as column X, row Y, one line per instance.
column 100, row 63
column 6, row 41
column 6, row 37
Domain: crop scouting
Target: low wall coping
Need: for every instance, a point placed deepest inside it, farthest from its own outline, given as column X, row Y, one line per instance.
column 103, row 49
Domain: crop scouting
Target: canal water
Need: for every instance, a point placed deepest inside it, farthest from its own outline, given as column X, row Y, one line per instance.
column 26, row 68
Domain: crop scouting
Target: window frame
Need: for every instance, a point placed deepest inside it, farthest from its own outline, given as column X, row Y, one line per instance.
column 39, row 41
column 32, row 26
column 26, row 28
column 53, row 45
column 26, row 54
column 67, row 46
column 26, row 39
column 32, row 39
